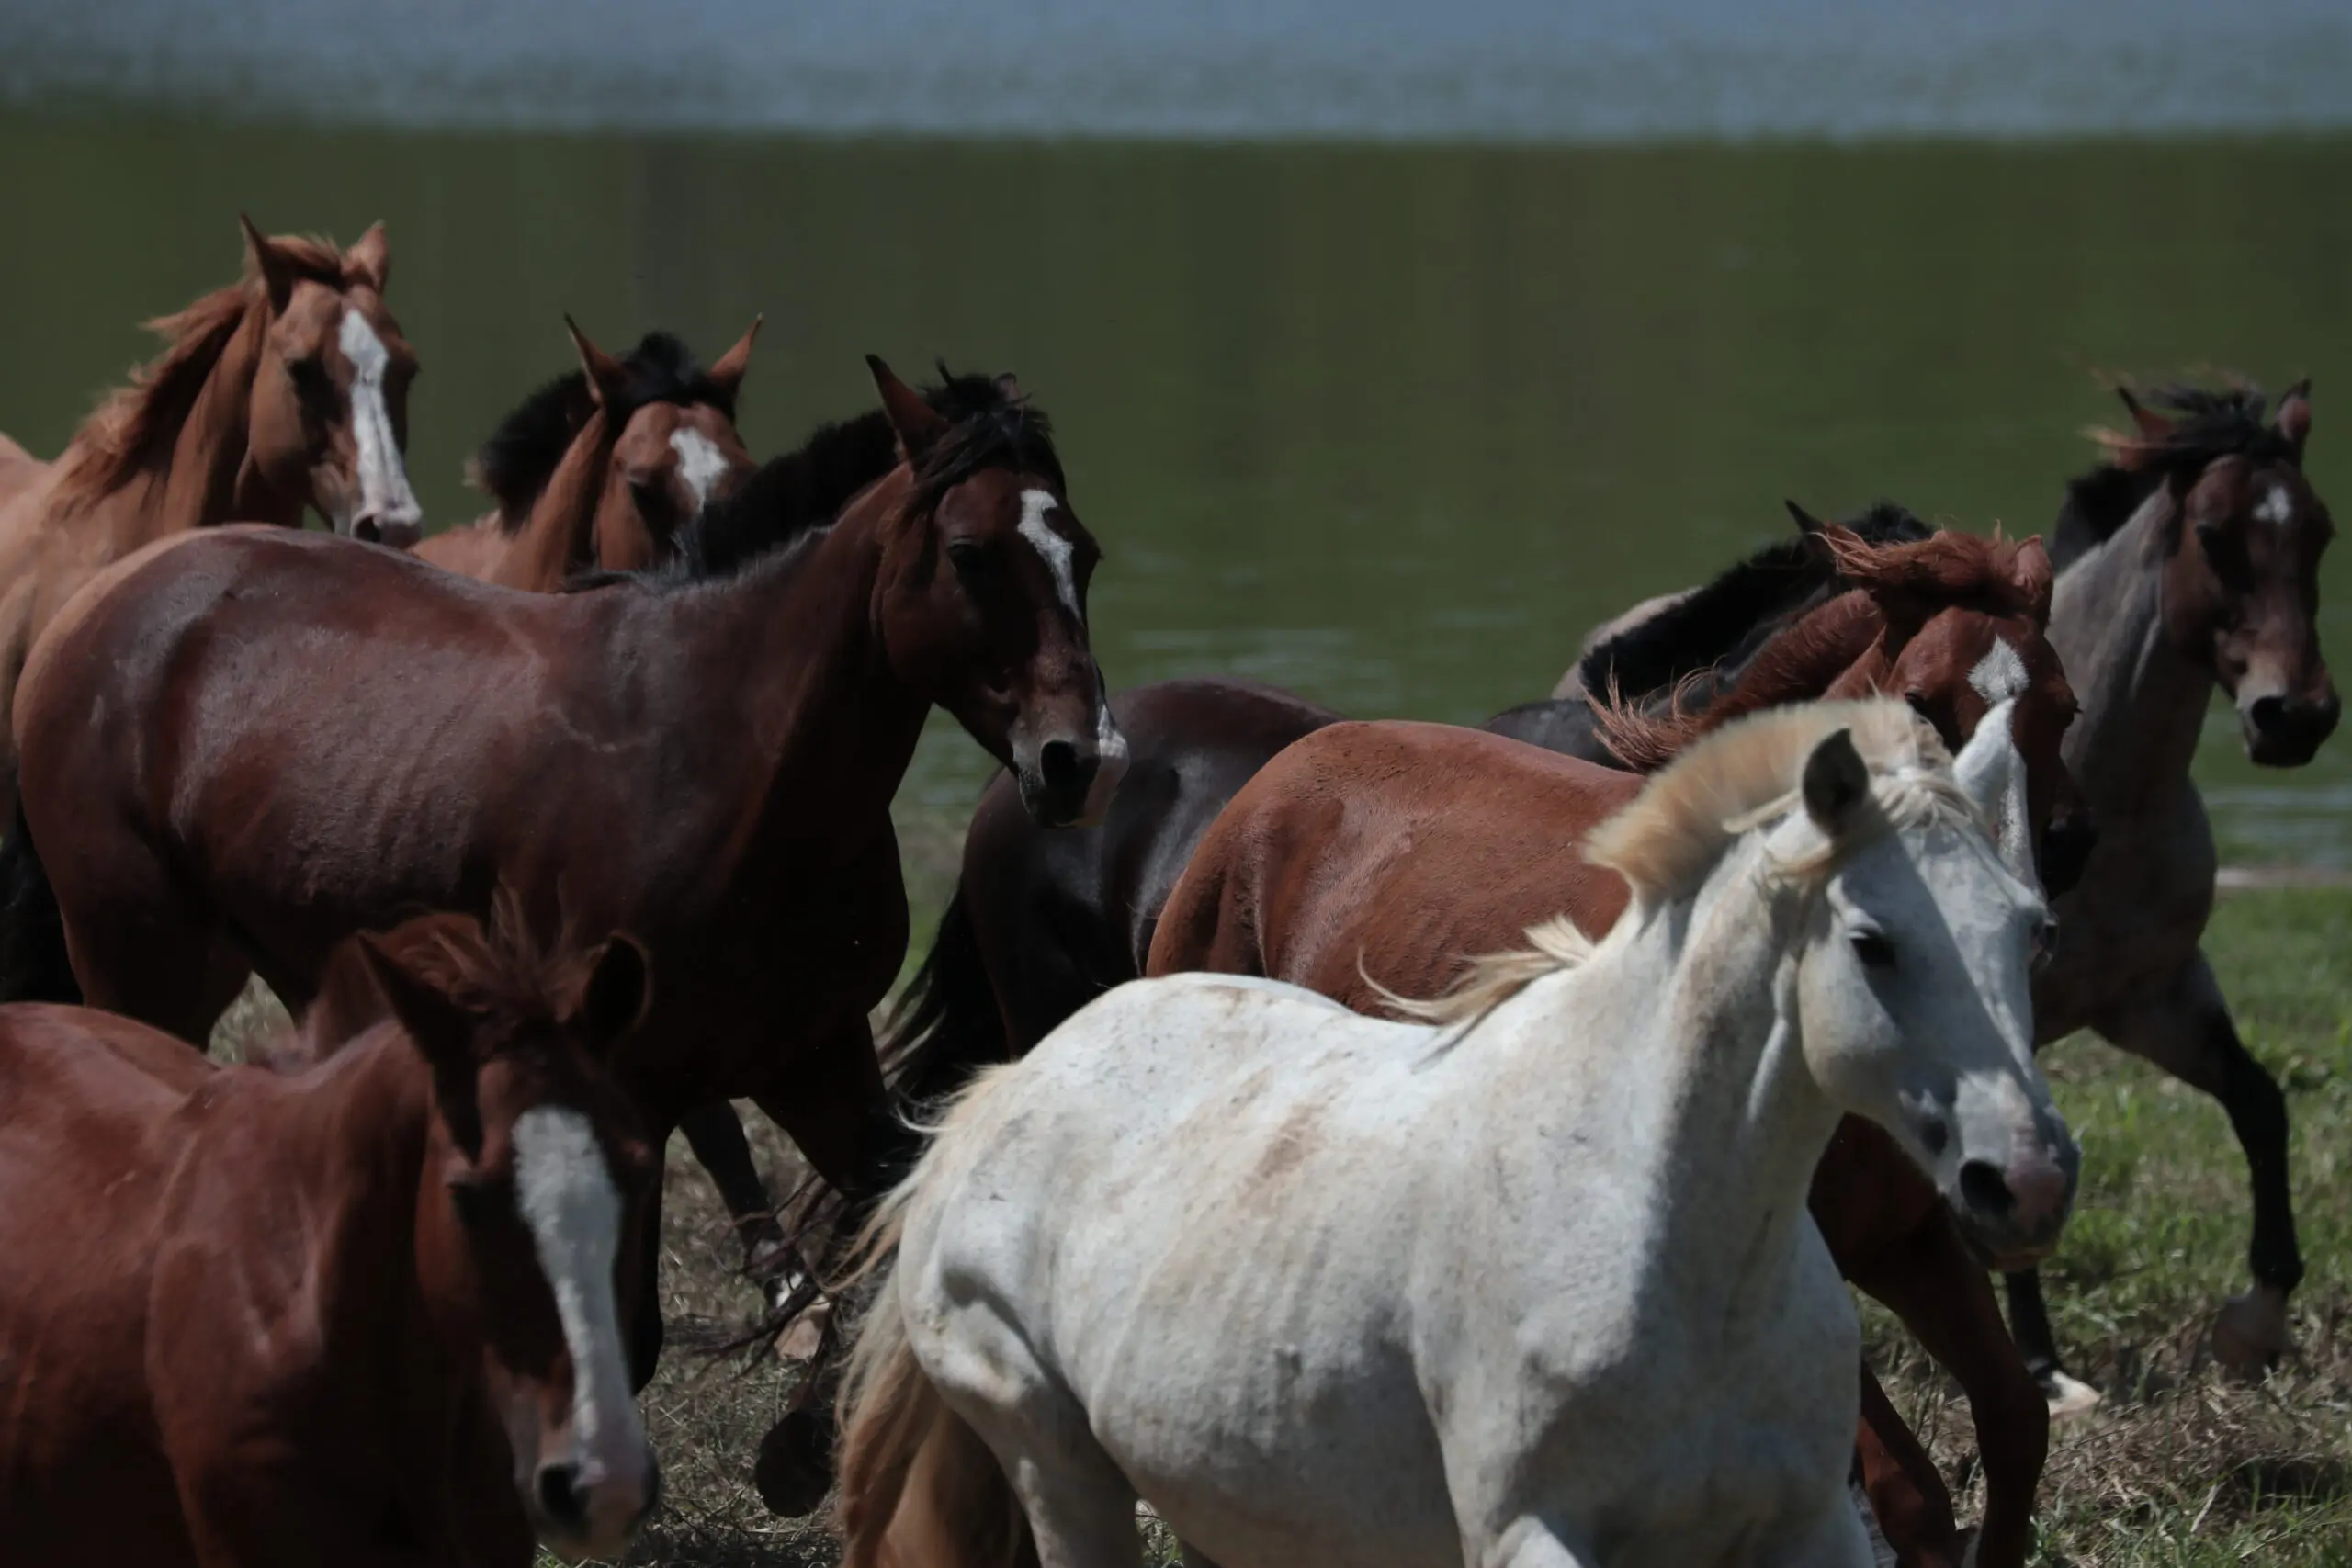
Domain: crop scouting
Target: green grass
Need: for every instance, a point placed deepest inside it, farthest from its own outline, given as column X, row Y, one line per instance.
column 2180, row 1467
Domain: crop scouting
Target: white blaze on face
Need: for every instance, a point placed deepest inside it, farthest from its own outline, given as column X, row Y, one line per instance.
column 567, row 1200
column 700, row 463
column 1999, row 675
column 384, row 492
column 1056, row 550
column 2278, row 508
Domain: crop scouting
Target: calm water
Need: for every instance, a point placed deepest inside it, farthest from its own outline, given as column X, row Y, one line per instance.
column 1390, row 425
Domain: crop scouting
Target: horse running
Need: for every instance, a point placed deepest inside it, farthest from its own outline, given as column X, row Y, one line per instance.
column 706, row 763
column 285, row 391
column 606, row 467
column 2190, row 559
column 1530, row 1288
column 361, row 1313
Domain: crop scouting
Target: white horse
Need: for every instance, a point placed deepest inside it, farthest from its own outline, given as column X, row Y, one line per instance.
column 1535, row 1289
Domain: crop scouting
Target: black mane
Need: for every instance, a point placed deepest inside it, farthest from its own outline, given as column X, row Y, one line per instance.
column 802, row 491
column 515, row 464
column 1721, row 625
column 2211, row 424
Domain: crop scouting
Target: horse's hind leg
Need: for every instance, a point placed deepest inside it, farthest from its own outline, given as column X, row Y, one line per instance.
column 2186, row 1029
column 155, row 959
column 716, row 1135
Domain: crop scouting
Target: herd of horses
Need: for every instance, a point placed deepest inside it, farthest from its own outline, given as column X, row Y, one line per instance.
column 1363, row 1142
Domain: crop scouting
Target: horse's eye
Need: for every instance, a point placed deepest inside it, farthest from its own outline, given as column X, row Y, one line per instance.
column 1918, row 701
column 972, row 561
column 472, row 1198
column 310, row 377
column 1872, row 948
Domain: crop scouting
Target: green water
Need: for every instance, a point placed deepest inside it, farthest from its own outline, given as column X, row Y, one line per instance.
column 1390, row 427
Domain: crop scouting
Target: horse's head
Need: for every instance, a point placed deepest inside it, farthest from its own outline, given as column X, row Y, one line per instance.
column 2241, row 574
column 673, row 446
column 982, row 602
column 531, row 1220
column 328, row 417
column 1967, row 628
column 1912, row 987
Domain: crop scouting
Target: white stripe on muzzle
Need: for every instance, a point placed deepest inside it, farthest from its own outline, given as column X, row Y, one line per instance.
column 384, row 492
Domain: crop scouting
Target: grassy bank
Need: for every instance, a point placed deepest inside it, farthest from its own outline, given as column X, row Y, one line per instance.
column 2179, row 1468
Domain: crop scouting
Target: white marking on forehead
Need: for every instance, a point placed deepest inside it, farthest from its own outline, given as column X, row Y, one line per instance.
column 1057, row 550
column 2000, row 674
column 700, row 463
column 2277, row 507
column 384, row 491
column 567, row 1200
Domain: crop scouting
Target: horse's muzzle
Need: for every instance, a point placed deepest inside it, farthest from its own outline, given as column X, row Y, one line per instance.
column 2283, row 731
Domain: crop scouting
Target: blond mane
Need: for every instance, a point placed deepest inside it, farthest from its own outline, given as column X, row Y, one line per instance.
column 1666, row 841
column 134, row 427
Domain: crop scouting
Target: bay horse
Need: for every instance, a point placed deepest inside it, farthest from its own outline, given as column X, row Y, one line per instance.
column 704, row 761
column 606, row 467
column 367, row 1311
column 286, row 391
column 1522, row 1284
column 1041, row 924
column 2189, row 559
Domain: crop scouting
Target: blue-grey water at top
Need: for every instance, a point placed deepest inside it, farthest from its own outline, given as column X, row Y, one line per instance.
column 1386, row 69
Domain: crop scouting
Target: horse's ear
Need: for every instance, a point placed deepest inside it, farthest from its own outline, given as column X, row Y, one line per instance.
column 2151, row 425
column 370, row 260
column 729, row 369
column 1990, row 772
column 272, row 268
column 918, row 424
column 1806, row 521
column 2032, row 575
column 618, row 991
column 442, row 1030
column 2295, row 415
column 606, row 375
column 1836, row 783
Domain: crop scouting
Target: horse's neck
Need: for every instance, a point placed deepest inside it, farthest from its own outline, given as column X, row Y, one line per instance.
column 559, row 534
column 209, row 481
column 2142, row 702
column 822, row 706
column 1707, row 1091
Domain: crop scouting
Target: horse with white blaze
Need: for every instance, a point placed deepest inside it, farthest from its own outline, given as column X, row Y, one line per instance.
column 1529, row 1285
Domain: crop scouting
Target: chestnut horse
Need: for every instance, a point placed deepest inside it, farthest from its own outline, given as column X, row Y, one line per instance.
column 604, row 467
column 2188, row 560
column 1043, row 923
column 707, row 762
column 285, row 391
column 362, row 1312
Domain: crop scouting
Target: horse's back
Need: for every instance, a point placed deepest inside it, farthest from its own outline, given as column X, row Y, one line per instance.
column 469, row 549
column 1380, row 855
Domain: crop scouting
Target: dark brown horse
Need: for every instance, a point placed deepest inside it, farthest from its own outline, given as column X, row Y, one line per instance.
column 282, row 393
column 1043, row 923
column 606, row 467
column 371, row 1311
column 2188, row 560
column 705, row 762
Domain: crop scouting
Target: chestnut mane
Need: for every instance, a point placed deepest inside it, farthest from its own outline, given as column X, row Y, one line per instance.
column 133, row 429
column 496, row 969
column 1893, row 588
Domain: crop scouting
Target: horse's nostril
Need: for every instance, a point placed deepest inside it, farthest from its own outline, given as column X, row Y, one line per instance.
column 1057, row 760
column 1984, row 1191
column 2264, row 713
column 560, row 1497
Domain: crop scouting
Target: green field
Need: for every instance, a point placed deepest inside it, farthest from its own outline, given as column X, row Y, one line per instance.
column 2179, row 1468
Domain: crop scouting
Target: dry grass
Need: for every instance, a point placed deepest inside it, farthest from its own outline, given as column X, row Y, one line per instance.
column 2179, row 1468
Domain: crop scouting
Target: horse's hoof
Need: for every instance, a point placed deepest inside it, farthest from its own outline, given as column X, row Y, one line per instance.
column 802, row 1342
column 796, row 1464
column 2070, row 1398
column 2250, row 1334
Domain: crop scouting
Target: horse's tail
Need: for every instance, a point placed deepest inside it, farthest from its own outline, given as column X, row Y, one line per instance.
column 918, row 1489
column 34, row 964
column 947, row 1025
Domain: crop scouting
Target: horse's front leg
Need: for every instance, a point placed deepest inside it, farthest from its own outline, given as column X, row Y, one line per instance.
column 1929, row 1281
column 716, row 1135
column 2186, row 1029
column 1533, row 1542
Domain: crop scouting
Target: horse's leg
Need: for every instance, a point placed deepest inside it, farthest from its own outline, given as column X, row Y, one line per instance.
column 2062, row 1394
column 645, row 1331
column 166, row 964
column 2186, row 1029
column 716, row 1135
column 1929, row 1281
column 1531, row 1542
column 1899, row 1485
